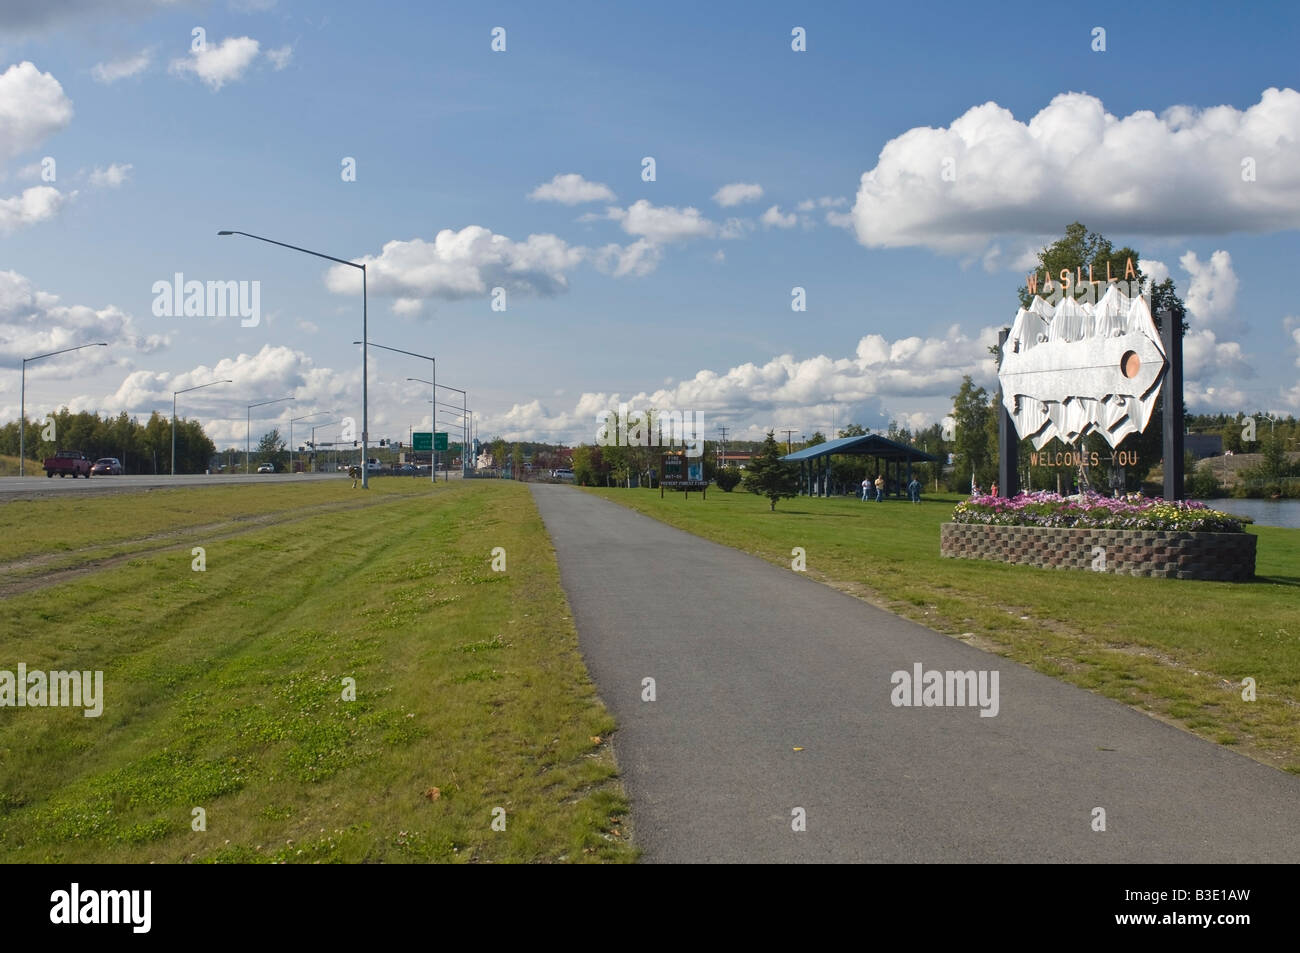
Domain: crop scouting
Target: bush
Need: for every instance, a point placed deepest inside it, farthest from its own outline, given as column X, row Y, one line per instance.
column 1203, row 484
column 728, row 479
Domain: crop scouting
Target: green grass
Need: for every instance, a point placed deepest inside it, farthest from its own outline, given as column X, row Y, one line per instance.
column 224, row 688
column 9, row 466
column 1177, row 649
column 37, row 527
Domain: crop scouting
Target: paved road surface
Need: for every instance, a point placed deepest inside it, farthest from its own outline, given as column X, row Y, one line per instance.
column 41, row 485
column 751, row 661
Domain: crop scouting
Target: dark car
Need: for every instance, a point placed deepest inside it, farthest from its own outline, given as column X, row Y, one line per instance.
column 106, row 466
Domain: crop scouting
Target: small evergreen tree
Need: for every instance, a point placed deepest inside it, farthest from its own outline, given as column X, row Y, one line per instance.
column 768, row 475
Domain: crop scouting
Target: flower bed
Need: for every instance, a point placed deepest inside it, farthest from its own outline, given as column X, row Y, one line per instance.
column 1129, row 536
column 1093, row 511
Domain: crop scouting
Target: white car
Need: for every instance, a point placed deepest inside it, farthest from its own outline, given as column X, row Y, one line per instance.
column 265, row 468
column 562, row 474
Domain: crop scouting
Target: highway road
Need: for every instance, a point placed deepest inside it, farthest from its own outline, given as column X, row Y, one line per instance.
column 41, row 485
column 774, row 708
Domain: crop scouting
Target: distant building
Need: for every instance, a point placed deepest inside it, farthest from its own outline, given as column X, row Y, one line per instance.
column 1203, row 444
column 738, row 459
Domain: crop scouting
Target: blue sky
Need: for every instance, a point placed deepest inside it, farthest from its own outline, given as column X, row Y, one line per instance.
column 653, row 292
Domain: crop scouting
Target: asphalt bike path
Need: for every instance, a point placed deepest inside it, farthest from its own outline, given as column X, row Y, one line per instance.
column 773, row 736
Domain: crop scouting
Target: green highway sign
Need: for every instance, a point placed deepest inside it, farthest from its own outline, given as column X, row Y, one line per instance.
column 422, row 441
column 440, row 441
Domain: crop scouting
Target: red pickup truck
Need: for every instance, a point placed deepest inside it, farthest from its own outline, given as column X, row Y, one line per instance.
column 68, row 461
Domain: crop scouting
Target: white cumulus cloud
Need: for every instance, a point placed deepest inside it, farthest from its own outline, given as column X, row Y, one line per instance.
column 637, row 259
column 572, row 189
column 34, row 322
column 1206, row 357
column 773, row 218
column 220, row 64
column 1212, row 294
column 1177, row 173
column 31, row 206
column 900, row 374
column 1155, row 270
column 125, row 68
column 33, row 107
column 663, row 223
column 462, row 264
column 738, row 192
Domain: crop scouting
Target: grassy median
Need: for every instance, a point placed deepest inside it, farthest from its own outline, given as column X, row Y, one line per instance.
column 1178, row 649
column 226, row 689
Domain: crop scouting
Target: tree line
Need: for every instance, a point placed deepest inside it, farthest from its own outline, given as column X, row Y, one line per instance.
column 141, row 447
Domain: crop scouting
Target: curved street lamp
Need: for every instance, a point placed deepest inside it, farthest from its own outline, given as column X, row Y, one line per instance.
column 248, row 425
column 291, row 422
column 435, row 403
column 365, row 336
column 22, row 413
column 433, row 454
column 315, row 427
column 186, row 391
column 466, row 417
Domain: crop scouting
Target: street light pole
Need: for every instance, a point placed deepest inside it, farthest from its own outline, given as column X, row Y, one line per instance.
column 466, row 416
column 365, row 336
column 433, row 454
column 22, row 401
column 291, row 421
column 452, row 406
column 185, row 391
column 248, row 426
column 313, row 433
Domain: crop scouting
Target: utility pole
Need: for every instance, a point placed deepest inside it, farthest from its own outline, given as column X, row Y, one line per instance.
column 788, row 434
column 722, row 446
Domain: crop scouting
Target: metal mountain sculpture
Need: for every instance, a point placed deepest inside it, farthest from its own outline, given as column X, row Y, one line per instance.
column 1074, row 369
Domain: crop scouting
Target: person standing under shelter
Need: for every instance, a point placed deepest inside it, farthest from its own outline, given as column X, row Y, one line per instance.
column 914, row 490
column 880, row 487
column 866, row 488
